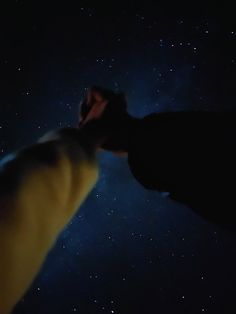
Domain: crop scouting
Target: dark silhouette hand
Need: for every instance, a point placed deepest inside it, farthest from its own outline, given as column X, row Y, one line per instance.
column 93, row 105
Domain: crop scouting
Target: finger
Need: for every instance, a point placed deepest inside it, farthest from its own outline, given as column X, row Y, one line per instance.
column 96, row 111
column 102, row 94
column 98, row 97
column 90, row 98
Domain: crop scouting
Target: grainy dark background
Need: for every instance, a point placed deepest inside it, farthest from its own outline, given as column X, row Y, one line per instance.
column 127, row 250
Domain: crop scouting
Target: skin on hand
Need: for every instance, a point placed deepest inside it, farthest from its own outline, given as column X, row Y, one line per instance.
column 95, row 103
column 95, row 107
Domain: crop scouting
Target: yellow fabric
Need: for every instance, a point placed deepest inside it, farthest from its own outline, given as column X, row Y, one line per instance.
column 33, row 214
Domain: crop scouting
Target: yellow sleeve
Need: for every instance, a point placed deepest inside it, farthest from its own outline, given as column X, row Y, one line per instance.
column 41, row 188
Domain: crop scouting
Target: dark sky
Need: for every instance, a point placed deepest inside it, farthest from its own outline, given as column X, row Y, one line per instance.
column 128, row 250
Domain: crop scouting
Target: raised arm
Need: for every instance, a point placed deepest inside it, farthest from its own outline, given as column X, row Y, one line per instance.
column 41, row 187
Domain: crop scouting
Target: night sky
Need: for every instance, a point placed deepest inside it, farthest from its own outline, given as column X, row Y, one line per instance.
column 128, row 250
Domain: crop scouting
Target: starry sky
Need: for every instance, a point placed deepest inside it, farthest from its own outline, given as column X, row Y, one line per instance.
column 128, row 250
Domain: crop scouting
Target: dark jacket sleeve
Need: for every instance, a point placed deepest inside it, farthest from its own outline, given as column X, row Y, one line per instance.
column 191, row 155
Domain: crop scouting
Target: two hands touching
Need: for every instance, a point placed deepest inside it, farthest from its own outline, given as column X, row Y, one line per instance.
column 41, row 188
column 103, row 111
